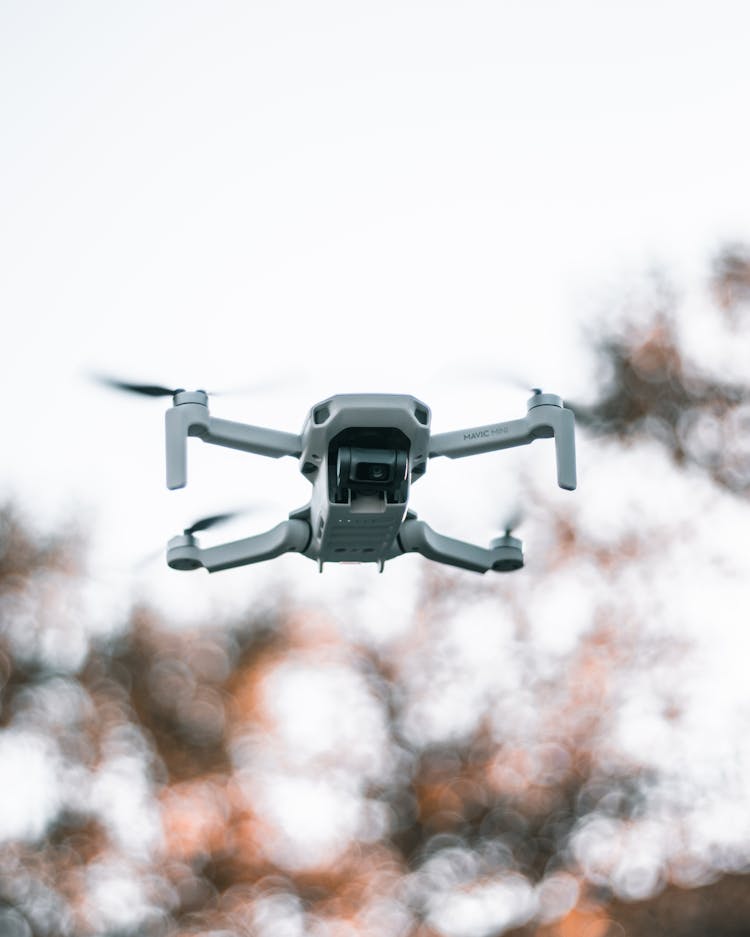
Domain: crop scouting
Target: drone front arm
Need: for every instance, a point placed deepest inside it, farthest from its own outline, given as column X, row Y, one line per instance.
column 257, row 439
column 478, row 439
column 544, row 420
column 290, row 536
column 190, row 417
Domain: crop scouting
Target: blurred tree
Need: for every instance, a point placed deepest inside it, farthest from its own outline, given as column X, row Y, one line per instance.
column 730, row 281
column 652, row 388
column 282, row 774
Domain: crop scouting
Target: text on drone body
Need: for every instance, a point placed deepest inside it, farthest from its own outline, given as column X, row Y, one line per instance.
column 484, row 433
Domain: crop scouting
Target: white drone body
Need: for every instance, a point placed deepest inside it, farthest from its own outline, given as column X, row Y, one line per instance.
column 361, row 453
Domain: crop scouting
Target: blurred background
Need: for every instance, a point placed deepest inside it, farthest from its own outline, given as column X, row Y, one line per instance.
column 279, row 202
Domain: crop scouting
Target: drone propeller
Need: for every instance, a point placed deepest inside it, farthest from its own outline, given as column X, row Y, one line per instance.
column 203, row 523
column 512, row 519
column 516, row 381
column 206, row 523
column 512, row 379
column 497, row 375
column 145, row 390
column 159, row 390
column 509, row 549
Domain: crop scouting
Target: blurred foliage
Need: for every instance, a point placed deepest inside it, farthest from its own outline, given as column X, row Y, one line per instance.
column 730, row 281
column 277, row 775
column 652, row 387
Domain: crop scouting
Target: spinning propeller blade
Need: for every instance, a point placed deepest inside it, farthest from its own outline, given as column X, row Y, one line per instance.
column 205, row 523
column 145, row 390
column 517, row 381
column 498, row 375
column 514, row 518
column 514, row 379
column 159, row 390
column 509, row 547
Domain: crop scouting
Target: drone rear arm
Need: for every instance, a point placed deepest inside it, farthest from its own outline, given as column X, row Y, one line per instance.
column 416, row 536
column 190, row 417
column 290, row 536
column 546, row 418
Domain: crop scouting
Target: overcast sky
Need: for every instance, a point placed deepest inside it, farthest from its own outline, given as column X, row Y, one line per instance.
column 343, row 196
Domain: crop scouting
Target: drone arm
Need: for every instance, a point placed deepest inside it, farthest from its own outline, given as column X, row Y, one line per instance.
column 478, row 439
column 257, row 439
column 290, row 536
column 192, row 418
column 542, row 421
column 418, row 537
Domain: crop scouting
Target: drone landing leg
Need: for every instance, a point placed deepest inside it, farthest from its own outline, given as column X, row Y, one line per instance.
column 291, row 536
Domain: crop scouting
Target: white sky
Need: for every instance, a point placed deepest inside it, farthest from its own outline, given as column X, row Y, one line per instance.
column 351, row 196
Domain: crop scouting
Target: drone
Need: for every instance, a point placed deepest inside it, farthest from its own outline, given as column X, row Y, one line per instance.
column 361, row 453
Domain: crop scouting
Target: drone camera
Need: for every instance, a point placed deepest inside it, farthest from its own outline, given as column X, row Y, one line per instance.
column 362, row 470
column 374, row 468
column 377, row 465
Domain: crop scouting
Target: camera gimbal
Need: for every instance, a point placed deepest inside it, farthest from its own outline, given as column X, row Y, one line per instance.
column 360, row 452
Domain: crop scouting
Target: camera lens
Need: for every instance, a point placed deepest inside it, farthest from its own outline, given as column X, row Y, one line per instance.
column 366, row 470
column 373, row 472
